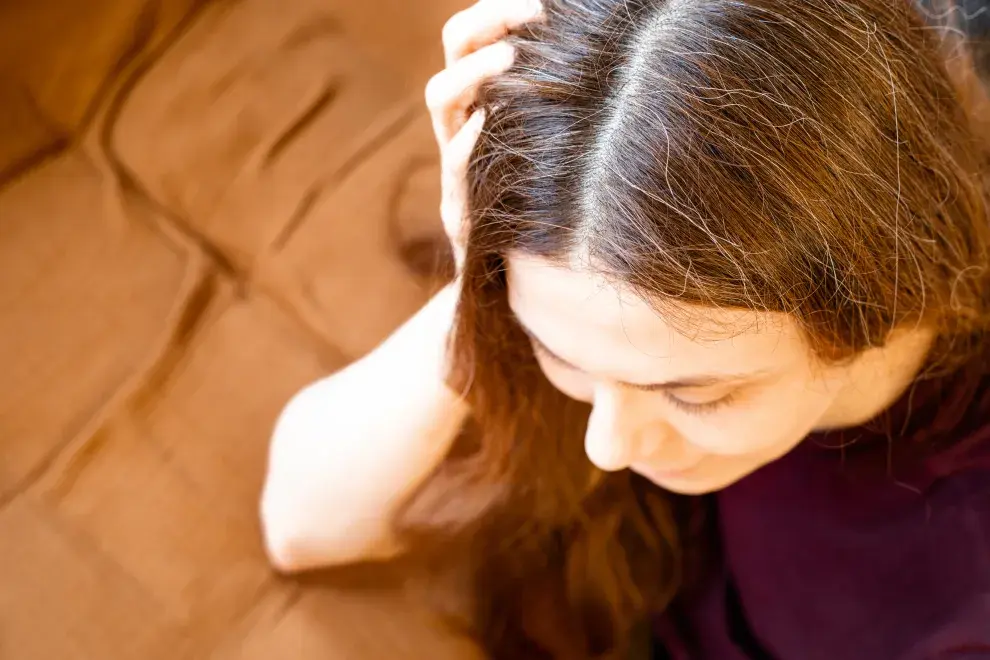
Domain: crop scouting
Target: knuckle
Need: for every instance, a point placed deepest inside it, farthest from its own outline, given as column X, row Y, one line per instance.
column 452, row 30
column 451, row 219
column 448, row 213
column 434, row 92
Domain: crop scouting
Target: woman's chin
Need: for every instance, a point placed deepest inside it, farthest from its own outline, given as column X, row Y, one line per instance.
column 695, row 481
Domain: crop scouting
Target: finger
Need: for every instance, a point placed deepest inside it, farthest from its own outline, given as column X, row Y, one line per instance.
column 458, row 151
column 450, row 93
column 484, row 23
column 456, row 161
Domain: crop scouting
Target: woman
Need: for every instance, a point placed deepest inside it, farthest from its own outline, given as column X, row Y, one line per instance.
column 719, row 325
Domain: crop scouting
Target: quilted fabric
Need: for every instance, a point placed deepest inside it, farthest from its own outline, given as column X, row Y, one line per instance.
column 205, row 206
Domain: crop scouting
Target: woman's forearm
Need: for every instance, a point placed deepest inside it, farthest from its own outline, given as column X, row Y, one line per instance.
column 348, row 449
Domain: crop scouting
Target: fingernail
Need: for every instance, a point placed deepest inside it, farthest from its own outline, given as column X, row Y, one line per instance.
column 507, row 51
column 535, row 7
column 477, row 120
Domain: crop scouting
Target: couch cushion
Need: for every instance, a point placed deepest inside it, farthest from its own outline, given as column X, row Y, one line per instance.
column 87, row 288
column 346, row 266
column 57, row 57
column 24, row 133
column 148, row 357
column 144, row 513
column 345, row 624
column 410, row 36
column 254, row 112
column 213, row 408
column 62, row 598
column 168, row 486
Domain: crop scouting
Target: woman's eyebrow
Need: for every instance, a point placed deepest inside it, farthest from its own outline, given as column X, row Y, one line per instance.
column 701, row 380
column 544, row 348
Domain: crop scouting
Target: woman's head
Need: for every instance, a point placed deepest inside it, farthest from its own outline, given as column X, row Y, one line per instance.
column 692, row 412
column 722, row 218
column 753, row 195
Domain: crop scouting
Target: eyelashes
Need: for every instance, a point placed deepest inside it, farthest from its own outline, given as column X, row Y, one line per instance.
column 698, row 409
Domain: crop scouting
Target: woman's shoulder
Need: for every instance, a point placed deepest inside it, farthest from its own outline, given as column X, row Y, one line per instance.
column 939, row 427
column 862, row 517
column 946, row 421
column 960, row 427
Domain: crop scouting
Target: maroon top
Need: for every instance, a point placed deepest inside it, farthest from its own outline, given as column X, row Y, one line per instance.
column 872, row 543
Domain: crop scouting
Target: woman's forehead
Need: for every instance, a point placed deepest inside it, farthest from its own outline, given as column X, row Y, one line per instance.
column 595, row 324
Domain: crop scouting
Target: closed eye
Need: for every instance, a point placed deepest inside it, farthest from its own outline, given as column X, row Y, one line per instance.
column 700, row 408
column 686, row 406
column 737, row 381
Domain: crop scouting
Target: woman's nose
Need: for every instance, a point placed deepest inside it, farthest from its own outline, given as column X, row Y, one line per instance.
column 621, row 431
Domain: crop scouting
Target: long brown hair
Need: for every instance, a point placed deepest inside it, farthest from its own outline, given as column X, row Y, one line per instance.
column 808, row 157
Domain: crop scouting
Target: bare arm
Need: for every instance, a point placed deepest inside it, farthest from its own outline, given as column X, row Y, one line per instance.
column 348, row 449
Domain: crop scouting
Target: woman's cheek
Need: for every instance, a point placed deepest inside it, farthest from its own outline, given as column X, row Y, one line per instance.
column 720, row 439
column 571, row 383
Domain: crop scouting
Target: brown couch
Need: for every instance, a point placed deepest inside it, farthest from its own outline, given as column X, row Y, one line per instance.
column 204, row 206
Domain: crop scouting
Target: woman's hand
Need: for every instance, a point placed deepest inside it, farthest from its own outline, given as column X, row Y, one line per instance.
column 474, row 51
